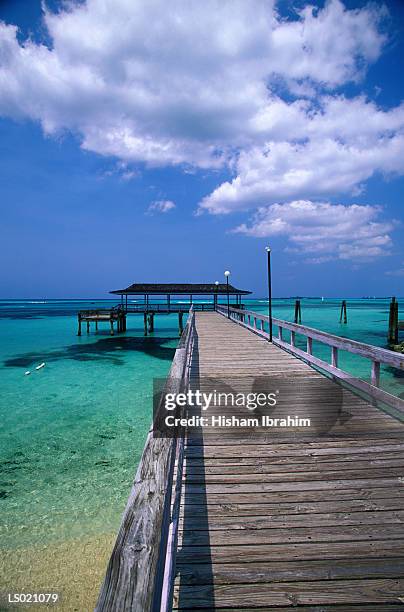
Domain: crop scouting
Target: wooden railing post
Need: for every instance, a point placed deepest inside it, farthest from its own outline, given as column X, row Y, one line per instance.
column 280, row 332
column 375, row 376
column 309, row 346
column 334, row 357
column 292, row 338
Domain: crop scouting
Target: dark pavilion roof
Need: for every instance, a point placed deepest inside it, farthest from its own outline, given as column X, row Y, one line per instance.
column 179, row 289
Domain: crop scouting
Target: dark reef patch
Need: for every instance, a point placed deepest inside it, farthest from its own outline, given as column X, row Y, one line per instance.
column 105, row 349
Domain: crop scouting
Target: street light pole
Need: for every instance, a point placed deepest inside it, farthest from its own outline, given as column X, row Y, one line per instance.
column 268, row 250
column 227, row 274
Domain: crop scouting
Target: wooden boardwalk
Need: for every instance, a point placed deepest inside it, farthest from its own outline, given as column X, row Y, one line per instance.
column 284, row 520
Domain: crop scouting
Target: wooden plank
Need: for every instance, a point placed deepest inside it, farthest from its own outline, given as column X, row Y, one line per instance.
column 242, row 537
column 293, row 593
column 245, row 467
column 278, row 487
column 292, row 571
column 253, row 522
column 294, row 462
column 229, row 510
column 365, row 549
column 249, row 449
column 292, row 496
column 267, row 477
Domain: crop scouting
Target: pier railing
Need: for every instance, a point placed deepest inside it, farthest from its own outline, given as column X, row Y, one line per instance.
column 140, row 571
column 167, row 308
column 376, row 355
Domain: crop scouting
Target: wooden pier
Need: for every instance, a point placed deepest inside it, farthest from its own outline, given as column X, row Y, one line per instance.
column 242, row 520
column 149, row 306
column 110, row 316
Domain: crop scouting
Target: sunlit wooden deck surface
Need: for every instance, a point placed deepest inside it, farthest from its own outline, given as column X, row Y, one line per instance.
column 289, row 520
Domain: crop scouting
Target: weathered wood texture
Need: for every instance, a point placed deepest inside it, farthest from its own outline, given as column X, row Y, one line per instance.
column 135, row 571
column 285, row 520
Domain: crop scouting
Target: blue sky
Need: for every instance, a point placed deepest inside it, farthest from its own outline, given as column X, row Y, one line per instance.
column 138, row 145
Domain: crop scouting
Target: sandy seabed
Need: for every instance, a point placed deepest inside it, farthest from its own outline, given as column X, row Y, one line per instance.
column 73, row 568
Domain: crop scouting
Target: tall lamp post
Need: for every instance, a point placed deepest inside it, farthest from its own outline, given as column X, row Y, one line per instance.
column 227, row 274
column 268, row 250
column 215, row 298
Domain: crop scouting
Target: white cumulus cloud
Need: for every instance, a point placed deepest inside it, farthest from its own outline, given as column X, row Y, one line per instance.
column 185, row 83
column 229, row 84
column 322, row 231
column 161, row 206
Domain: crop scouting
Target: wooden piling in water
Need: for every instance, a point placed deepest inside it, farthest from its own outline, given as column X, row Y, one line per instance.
column 392, row 336
column 343, row 317
column 298, row 312
column 145, row 323
column 79, row 324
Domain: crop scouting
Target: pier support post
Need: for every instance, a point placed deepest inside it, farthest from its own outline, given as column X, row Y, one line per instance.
column 180, row 323
column 145, row 323
column 298, row 312
column 343, row 317
column 79, row 325
column 111, row 322
column 88, row 327
column 151, row 322
column 96, row 326
column 393, row 322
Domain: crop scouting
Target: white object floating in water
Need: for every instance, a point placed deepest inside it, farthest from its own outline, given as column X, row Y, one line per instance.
column 40, row 366
column 27, row 372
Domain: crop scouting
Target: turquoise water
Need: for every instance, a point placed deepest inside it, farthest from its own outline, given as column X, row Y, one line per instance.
column 72, row 432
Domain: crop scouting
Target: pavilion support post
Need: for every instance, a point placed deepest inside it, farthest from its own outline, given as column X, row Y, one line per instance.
column 180, row 323
column 96, row 326
column 124, row 322
column 145, row 323
column 88, row 327
column 111, row 322
column 151, row 322
column 79, row 325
